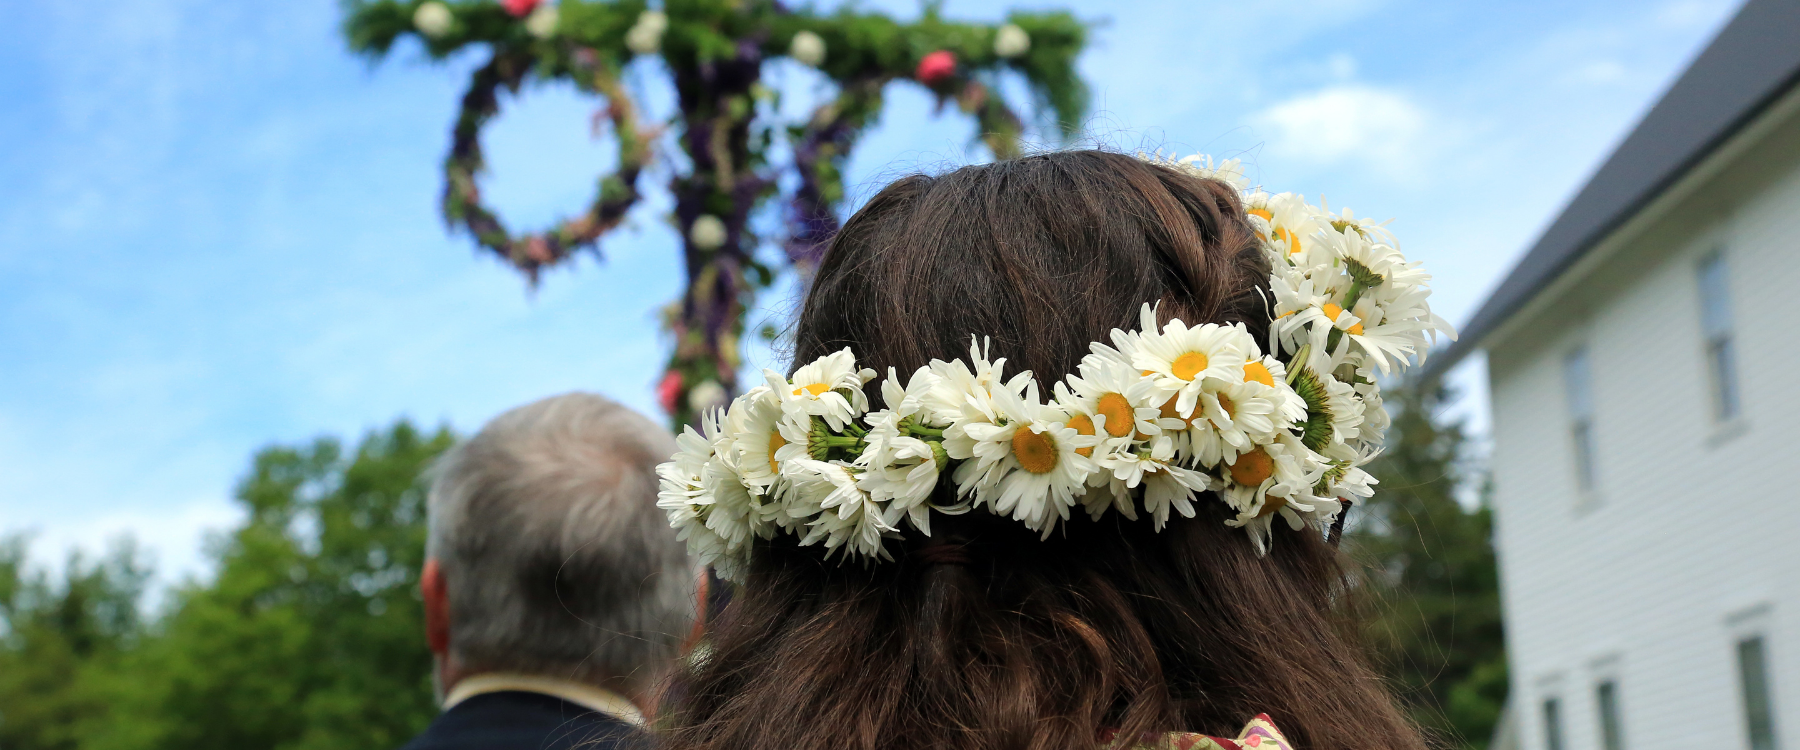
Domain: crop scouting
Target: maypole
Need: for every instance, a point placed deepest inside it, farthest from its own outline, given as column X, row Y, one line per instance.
column 715, row 52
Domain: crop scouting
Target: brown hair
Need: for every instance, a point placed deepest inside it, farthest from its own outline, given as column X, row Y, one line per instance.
column 983, row 636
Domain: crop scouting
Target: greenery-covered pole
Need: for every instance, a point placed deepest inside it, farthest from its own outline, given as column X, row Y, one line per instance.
column 715, row 51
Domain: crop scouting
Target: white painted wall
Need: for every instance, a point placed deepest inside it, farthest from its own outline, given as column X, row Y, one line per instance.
column 1692, row 536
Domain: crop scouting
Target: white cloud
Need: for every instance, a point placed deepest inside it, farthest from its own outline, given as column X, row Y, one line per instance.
column 172, row 538
column 1381, row 129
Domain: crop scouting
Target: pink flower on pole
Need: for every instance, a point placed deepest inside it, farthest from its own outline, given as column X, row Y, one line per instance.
column 669, row 390
column 519, row 8
column 936, row 68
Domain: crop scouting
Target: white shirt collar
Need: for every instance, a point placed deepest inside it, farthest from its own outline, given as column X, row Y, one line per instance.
column 592, row 697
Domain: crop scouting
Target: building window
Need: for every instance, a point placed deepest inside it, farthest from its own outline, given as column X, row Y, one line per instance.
column 1715, row 324
column 1759, row 707
column 1578, row 381
column 1606, row 700
column 1553, row 739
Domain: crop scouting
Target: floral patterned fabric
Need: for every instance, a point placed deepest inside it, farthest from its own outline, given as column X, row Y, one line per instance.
column 1259, row 734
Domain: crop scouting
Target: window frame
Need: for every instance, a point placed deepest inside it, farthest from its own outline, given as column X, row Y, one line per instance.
column 1578, row 395
column 1756, row 693
column 1606, row 710
column 1718, row 336
column 1550, row 713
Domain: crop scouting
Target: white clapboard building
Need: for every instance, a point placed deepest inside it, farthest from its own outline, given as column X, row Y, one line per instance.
column 1644, row 367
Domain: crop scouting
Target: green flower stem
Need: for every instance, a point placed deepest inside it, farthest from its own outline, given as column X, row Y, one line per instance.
column 925, row 431
column 1298, row 362
column 850, row 441
column 1356, row 292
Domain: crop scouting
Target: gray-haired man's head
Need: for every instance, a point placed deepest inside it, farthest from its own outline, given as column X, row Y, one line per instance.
column 555, row 559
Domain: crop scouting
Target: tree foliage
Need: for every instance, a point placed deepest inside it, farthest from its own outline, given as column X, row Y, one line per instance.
column 311, row 634
column 1435, row 626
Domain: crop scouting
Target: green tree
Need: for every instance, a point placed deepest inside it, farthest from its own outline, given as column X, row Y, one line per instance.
column 59, row 637
column 1436, row 629
column 311, row 635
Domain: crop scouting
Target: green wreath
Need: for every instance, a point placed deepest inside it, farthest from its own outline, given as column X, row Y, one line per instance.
column 617, row 193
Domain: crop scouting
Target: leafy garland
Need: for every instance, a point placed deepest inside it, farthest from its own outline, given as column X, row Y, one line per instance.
column 715, row 51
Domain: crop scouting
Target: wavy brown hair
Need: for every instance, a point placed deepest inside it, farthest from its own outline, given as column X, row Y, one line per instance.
column 983, row 636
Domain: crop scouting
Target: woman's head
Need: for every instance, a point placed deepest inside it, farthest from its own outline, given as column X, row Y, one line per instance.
column 1042, row 255
column 985, row 634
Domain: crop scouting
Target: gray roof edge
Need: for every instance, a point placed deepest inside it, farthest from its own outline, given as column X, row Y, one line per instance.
column 1746, row 67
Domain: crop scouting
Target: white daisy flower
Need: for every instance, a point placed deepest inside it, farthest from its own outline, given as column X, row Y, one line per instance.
column 902, row 474
column 1277, row 479
column 1182, row 359
column 1284, row 220
column 1229, row 171
column 1166, row 485
column 758, row 436
column 1112, row 394
column 690, row 484
column 836, row 511
column 829, row 387
column 1243, row 415
column 1028, row 464
column 963, row 389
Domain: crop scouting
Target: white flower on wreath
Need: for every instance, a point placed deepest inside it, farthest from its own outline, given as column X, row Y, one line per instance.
column 1167, row 486
column 645, row 36
column 1243, row 415
column 901, row 473
column 899, row 469
column 758, row 437
column 1346, row 407
column 835, row 509
column 1030, row 463
column 1284, row 473
column 686, row 494
column 542, row 22
column 1285, row 221
column 1228, row 171
column 433, row 19
column 829, row 387
column 1111, row 395
column 1182, row 359
column 808, row 48
column 963, row 390
column 1011, row 41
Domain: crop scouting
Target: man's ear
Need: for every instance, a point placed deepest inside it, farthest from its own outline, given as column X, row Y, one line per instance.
column 437, row 607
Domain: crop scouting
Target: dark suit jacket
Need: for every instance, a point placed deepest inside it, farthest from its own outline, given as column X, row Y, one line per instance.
column 518, row 720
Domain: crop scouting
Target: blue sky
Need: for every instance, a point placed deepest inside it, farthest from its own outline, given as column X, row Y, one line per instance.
column 218, row 229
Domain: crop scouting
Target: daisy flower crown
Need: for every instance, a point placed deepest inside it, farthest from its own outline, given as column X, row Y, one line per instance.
column 1148, row 423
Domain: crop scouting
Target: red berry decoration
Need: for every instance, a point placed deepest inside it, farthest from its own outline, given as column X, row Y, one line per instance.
column 936, row 68
column 519, row 8
column 669, row 390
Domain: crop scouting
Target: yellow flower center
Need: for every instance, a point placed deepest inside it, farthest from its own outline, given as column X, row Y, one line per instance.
column 1334, row 312
column 1253, row 468
column 1257, row 372
column 1271, row 504
column 1169, row 412
column 1226, row 406
column 815, row 389
column 1082, row 424
column 1118, row 412
column 1188, row 365
column 775, row 443
column 1035, row 452
column 1263, row 212
column 1293, row 240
